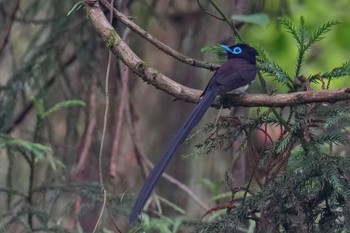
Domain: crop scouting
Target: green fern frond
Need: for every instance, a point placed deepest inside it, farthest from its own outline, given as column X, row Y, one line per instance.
column 336, row 183
column 303, row 39
column 302, row 35
column 38, row 106
column 282, row 144
column 334, row 138
column 272, row 120
column 274, row 70
column 343, row 70
column 64, row 104
column 217, row 51
column 290, row 27
column 30, row 147
column 338, row 72
column 262, row 55
column 333, row 117
column 321, row 31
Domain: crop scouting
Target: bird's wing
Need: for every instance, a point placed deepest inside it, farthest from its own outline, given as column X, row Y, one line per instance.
column 234, row 74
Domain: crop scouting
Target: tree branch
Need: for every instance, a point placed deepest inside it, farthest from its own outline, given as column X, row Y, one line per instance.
column 178, row 91
column 290, row 99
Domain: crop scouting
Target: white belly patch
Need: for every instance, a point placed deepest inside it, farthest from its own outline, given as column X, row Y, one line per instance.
column 240, row 90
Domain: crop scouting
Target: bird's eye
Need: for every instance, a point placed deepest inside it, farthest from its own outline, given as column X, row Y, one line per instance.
column 237, row 50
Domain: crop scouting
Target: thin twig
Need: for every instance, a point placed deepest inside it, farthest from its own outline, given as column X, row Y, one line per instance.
column 105, row 119
column 9, row 27
column 160, row 45
column 207, row 12
column 87, row 141
column 113, row 219
column 227, row 19
column 124, row 71
column 38, row 21
column 88, row 137
column 254, row 168
column 104, row 193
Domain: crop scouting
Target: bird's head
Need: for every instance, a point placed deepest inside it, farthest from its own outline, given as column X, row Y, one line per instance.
column 241, row 51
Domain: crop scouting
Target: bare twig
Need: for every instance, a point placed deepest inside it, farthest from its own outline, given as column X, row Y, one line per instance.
column 113, row 219
column 207, row 12
column 90, row 129
column 104, row 193
column 86, row 143
column 163, row 47
column 124, row 71
column 105, row 120
column 226, row 19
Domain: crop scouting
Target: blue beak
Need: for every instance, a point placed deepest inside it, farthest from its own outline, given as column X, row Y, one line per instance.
column 226, row 48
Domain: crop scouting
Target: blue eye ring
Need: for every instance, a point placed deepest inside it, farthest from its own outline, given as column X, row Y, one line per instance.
column 237, row 50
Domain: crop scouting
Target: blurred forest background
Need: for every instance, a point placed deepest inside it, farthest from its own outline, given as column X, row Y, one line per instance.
column 52, row 103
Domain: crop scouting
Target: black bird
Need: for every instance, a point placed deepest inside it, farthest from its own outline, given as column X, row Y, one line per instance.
column 234, row 75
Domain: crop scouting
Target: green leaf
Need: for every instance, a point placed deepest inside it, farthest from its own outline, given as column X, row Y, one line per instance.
column 274, row 70
column 290, row 27
column 221, row 196
column 304, row 40
column 321, row 31
column 64, row 104
column 335, row 138
column 34, row 148
column 173, row 206
column 79, row 228
column 260, row 19
column 336, row 183
column 39, row 107
column 162, row 224
column 217, row 51
column 343, row 70
column 334, row 117
column 206, row 183
column 38, row 150
column 54, row 163
column 211, row 49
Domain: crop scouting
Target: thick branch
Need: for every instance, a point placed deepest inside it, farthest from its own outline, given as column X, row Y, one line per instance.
column 290, row 99
column 162, row 82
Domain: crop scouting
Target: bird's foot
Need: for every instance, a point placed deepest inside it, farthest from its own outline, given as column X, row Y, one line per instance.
column 226, row 100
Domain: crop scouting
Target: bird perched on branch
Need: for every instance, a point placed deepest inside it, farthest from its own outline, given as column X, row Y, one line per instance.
column 233, row 76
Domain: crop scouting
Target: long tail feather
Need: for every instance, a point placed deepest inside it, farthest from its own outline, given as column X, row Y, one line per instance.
column 158, row 170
